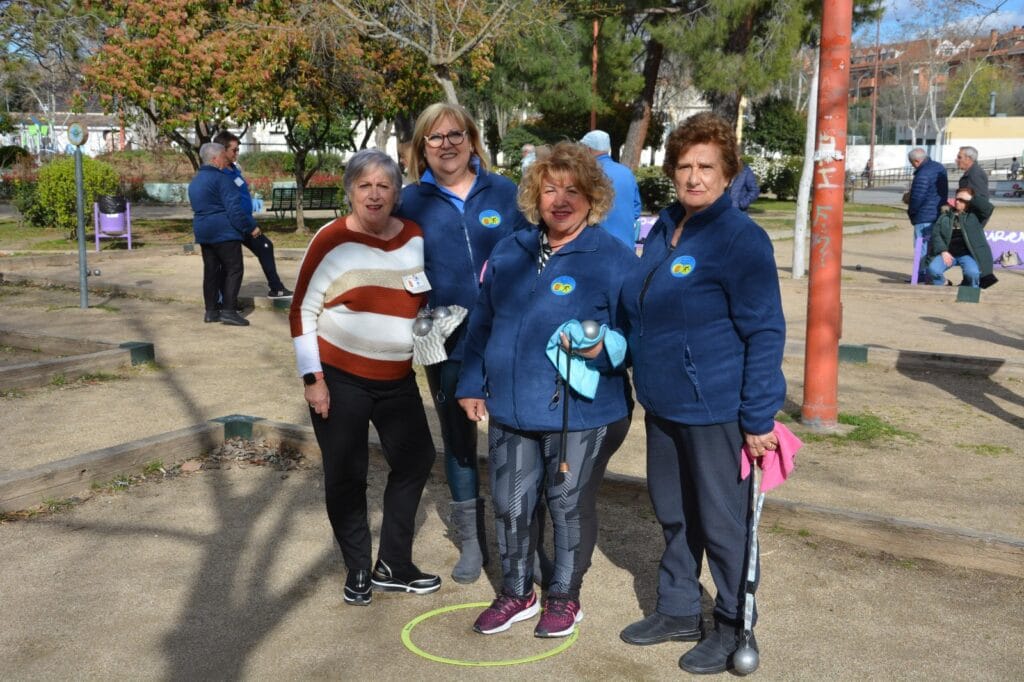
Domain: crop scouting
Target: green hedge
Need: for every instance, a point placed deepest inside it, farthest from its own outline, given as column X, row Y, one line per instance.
column 53, row 203
column 656, row 190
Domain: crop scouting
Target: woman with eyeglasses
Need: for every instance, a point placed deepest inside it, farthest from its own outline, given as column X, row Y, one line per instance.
column 464, row 210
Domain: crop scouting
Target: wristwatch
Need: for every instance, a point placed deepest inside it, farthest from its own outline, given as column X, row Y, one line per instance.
column 310, row 378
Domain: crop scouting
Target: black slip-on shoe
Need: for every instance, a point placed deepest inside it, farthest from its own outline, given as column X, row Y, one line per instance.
column 411, row 579
column 657, row 628
column 231, row 317
column 212, row 316
column 358, row 588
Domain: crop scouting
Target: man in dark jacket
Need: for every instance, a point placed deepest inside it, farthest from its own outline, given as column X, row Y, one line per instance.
column 219, row 223
column 257, row 242
column 974, row 175
column 928, row 192
column 744, row 189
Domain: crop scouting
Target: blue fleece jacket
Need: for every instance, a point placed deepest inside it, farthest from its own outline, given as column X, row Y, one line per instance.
column 705, row 323
column 518, row 310
column 218, row 212
column 235, row 173
column 744, row 189
column 456, row 244
column 626, row 208
column 928, row 192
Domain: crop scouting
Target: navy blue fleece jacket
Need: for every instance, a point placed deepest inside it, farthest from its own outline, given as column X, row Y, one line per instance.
column 518, row 311
column 218, row 213
column 928, row 192
column 705, row 324
column 457, row 244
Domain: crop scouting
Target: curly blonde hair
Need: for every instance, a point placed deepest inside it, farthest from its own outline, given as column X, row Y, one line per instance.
column 703, row 128
column 567, row 160
column 417, row 157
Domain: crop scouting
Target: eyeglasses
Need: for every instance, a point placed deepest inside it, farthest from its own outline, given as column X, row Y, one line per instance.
column 454, row 137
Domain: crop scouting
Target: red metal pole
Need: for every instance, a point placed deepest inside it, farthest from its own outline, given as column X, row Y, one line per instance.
column 824, row 309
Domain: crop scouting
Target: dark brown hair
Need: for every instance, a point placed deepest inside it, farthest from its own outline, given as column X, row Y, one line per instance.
column 703, row 128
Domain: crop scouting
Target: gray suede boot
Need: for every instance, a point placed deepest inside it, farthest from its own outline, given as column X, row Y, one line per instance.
column 468, row 520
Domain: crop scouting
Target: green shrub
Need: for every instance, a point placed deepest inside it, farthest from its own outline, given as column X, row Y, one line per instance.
column 12, row 154
column 783, row 177
column 272, row 164
column 56, row 193
column 656, row 190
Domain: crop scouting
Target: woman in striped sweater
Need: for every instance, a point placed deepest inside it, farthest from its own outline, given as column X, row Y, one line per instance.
column 360, row 285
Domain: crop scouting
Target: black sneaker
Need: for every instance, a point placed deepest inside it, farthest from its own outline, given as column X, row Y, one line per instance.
column 279, row 293
column 411, row 580
column 358, row 589
column 212, row 316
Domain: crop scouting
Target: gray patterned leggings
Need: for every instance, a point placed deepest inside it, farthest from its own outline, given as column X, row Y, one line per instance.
column 522, row 464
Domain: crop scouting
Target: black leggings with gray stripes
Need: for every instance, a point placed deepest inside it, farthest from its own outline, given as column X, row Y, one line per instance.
column 525, row 463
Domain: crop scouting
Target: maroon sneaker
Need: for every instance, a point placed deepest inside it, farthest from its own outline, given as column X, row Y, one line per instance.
column 559, row 618
column 504, row 611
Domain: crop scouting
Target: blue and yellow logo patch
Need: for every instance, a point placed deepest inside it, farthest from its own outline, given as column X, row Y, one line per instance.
column 490, row 218
column 563, row 286
column 682, row 266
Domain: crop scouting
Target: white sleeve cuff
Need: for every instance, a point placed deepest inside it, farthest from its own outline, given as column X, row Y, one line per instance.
column 307, row 353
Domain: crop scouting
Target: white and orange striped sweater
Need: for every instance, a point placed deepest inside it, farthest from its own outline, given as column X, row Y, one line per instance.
column 351, row 309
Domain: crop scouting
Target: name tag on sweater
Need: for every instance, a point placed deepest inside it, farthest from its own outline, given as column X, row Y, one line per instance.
column 417, row 283
column 239, row 182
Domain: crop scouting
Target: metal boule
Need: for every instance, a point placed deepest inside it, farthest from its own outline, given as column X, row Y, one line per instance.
column 746, row 659
column 441, row 312
column 422, row 326
column 591, row 329
column 97, row 272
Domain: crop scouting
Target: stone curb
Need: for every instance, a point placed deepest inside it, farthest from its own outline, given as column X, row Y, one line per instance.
column 952, row 546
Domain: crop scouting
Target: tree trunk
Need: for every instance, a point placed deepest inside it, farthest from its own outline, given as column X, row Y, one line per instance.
column 806, row 176
column 300, row 185
column 643, row 107
column 442, row 74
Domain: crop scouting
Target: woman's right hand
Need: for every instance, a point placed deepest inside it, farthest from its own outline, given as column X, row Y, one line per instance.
column 475, row 408
column 318, row 397
column 947, row 258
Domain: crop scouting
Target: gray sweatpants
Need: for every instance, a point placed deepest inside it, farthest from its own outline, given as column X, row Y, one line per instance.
column 525, row 463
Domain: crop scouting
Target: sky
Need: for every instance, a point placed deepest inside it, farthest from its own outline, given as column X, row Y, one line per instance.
column 900, row 13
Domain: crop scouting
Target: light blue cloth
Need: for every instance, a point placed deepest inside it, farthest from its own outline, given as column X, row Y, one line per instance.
column 584, row 377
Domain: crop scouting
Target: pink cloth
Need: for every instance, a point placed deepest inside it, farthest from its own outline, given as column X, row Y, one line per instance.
column 776, row 465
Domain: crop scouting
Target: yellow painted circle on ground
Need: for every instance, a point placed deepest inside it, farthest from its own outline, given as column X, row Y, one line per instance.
column 407, row 640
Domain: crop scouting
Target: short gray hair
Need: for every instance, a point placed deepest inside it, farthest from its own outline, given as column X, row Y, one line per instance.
column 970, row 152
column 362, row 162
column 209, row 151
column 917, row 154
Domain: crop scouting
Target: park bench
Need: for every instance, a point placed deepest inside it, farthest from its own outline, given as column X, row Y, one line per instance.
column 282, row 200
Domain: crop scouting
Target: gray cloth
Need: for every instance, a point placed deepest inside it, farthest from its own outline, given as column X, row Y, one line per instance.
column 976, row 178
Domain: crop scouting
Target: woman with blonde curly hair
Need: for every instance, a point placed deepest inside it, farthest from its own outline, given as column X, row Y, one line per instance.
column 524, row 336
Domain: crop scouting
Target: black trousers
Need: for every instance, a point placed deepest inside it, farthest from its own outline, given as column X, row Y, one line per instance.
column 222, row 273
column 396, row 411
column 263, row 249
column 693, row 476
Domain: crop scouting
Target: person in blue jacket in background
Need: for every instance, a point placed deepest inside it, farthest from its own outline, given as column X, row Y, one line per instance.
column 744, row 189
column 257, row 241
column 219, row 222
column 564, row 270
column 928, row 193
column 464, row 210
column 706, row 334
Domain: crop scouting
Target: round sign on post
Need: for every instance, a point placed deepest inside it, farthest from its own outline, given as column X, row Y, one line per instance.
column 77, row 133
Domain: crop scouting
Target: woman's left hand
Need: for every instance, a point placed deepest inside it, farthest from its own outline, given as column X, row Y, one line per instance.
column 318, row 397
column 758, row 445
column 588, row 353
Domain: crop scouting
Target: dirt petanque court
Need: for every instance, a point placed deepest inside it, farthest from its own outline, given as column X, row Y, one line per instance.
column 896, row 551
